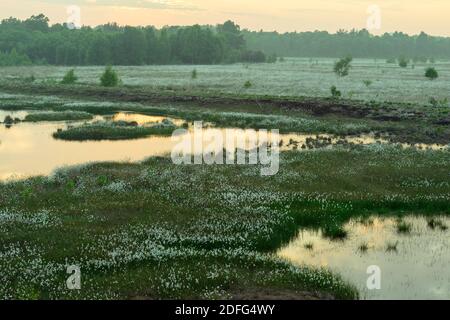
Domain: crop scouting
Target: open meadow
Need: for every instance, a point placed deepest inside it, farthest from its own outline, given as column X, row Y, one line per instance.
column 309, row 77
column 87, row 180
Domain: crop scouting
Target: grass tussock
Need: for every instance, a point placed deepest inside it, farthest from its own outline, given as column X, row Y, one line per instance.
column 392, row 247
column 335, row 232
column 403, row 227
column 363, row 247
column 59, row 116
column 113, row 131
column 436, row 223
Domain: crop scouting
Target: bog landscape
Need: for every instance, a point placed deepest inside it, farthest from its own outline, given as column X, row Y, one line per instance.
column 87, row 179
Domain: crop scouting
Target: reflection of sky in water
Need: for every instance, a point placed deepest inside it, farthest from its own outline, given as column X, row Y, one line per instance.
column 14, row 114
column 29, row 148
column 418, row 270
column 141, row 119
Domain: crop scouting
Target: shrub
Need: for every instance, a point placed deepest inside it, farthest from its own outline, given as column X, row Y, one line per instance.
column 70, row 77
column 342, row 67
column 367, row 83
column 14, row 58
column 30, row 79
column 8, row 120
column 68, row 115
column 391, row 60
column 403, row 227
column 194, row 74
column 109, row 77
column 247, row 84
column 272, row 58
column 335, row 93
column 438, row 103
column 334, row 232
column 431, row 73
column 403, row 62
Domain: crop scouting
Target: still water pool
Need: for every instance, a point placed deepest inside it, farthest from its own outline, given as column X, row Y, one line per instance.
column 413, row 266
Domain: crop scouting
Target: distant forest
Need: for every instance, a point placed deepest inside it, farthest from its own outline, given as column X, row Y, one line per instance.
column 34, row 41
column 359, row 44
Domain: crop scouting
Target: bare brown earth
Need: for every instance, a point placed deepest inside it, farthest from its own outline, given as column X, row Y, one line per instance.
column 316, row 106
column 406, row 122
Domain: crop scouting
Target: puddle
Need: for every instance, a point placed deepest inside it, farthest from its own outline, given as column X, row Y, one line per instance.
column 140, row 119
column 28, row 149
column 417, row 269
column 13, row 114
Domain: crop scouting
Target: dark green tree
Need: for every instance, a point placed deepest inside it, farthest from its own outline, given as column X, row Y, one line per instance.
column 70, row 77
column 431, row 73
column 109, row 78
column 342, row 67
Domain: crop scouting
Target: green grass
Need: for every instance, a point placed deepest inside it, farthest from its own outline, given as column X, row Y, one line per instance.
column 112, row 131
column 295, row 77
column 59, row 116
column 392, row 247
column 363, row 247
column 435, row 223
column 403, row 227
column 404, row 123
column 334, row 232
column 141, row 230
column 157, row 230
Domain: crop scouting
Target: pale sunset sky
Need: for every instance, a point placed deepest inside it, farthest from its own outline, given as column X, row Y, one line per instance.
column 410, row 16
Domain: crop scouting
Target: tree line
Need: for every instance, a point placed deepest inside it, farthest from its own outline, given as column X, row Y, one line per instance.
column 34, row 41
column 360, row 44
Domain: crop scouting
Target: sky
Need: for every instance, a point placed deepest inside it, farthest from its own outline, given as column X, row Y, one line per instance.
column 379, row 16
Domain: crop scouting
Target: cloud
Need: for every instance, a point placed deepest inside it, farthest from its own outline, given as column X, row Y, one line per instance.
column 147, row 4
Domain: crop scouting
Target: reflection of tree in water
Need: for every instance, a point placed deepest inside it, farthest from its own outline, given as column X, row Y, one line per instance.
column 9, row 121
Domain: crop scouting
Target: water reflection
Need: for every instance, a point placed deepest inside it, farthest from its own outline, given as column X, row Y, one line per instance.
column 413, row 266
column 29, row 149
column 140, row 119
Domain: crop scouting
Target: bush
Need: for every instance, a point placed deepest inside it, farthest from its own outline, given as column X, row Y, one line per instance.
column 403, row 62
column 335, row 93
column 14, row 58
column 113, row 131
column 8, row 120
column 342, row 67
column 30, row 79
column 194, row 74
column 367, row 83
column 391, row 60
column 109, row 78
column 247, row 85
column 272, row 58
column 70, row 77
column 431, row 73
column 68, row 115
column 438, row 103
